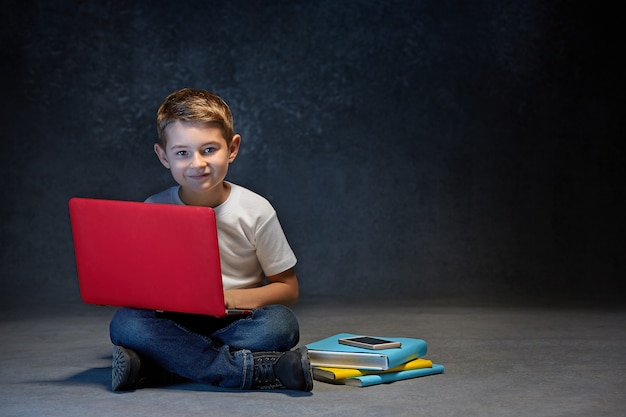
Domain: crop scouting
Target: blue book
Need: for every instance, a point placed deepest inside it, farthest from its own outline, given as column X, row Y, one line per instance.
column 385, row 378
column 329, row 352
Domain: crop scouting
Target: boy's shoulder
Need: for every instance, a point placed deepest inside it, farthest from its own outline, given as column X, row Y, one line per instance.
column 242, row 196
column 168, row 196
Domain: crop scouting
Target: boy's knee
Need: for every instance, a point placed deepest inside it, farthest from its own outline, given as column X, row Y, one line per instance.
column 126, row 323
column 282, row 325
column 280, row 314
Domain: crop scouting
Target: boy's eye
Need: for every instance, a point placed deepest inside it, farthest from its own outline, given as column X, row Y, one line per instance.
column 181, row 153
column 210, row 149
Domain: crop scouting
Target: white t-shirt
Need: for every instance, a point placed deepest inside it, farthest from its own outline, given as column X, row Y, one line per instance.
column 251, row 240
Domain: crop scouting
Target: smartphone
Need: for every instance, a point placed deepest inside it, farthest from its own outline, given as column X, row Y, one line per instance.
column 369, row 342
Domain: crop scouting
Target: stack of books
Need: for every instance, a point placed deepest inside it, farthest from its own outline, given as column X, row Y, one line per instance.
column 338, row 363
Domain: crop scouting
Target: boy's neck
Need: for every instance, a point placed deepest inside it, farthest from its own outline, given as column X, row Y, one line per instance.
column 211, row 198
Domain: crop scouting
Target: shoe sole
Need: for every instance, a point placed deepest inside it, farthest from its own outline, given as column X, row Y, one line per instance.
column 125, row 369
column 306, row 368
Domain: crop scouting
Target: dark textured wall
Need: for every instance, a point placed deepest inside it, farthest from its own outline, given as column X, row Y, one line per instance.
column 411, row 148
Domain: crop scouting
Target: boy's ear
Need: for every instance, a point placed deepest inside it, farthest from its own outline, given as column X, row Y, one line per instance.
column 234, row 148
column 162, row 155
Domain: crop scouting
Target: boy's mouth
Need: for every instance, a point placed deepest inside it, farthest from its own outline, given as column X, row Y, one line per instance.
column 198, row 176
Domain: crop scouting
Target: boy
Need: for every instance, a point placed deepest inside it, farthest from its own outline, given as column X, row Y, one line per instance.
column 196, row 142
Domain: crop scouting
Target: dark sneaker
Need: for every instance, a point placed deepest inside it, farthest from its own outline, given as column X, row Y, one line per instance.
column 282, row 370
column 126, row 365
column 130, row 372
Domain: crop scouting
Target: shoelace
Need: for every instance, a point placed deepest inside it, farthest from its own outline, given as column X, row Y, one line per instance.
column 264, row 372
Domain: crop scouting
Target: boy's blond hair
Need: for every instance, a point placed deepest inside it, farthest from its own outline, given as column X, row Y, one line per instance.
column 195, row 106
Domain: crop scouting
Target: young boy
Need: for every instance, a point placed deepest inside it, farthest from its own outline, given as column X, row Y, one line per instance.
column 196, row 142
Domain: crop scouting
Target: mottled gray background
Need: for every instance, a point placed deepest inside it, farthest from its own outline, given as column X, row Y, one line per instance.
column 411, row 148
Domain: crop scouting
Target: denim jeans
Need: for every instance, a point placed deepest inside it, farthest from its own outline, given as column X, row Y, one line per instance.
column 206, row 349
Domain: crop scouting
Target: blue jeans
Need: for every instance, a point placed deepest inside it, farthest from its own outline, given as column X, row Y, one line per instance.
column 206, row 349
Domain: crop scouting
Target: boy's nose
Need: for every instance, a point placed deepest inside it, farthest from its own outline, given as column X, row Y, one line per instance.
column 197, row 160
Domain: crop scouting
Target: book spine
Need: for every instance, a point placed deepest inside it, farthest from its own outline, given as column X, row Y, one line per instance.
column 341, row 373
column 384, row 378
column 321, row 358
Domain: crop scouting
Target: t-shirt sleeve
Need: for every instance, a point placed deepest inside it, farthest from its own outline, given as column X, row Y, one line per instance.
column 273, row 250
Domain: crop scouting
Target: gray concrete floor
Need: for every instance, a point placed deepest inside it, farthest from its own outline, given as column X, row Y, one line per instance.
column 500, row 361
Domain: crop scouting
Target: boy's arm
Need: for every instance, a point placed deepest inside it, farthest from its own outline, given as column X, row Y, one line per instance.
column 281, row 289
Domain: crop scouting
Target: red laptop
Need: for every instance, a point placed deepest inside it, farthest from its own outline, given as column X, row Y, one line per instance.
column 152, row 256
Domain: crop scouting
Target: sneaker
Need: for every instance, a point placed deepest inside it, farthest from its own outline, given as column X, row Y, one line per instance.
column 131, row 372
column 126, row 365
column 283, row 370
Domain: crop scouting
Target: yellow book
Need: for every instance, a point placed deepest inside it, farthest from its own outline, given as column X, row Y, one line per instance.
column 327, row 374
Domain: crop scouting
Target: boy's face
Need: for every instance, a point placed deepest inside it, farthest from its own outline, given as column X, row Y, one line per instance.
column 198, row 157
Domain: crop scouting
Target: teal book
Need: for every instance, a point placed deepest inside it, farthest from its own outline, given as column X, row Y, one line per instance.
column 329, row 352
column 386, row 378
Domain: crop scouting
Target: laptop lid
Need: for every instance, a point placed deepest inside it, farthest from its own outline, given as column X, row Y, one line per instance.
column 150, row 256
